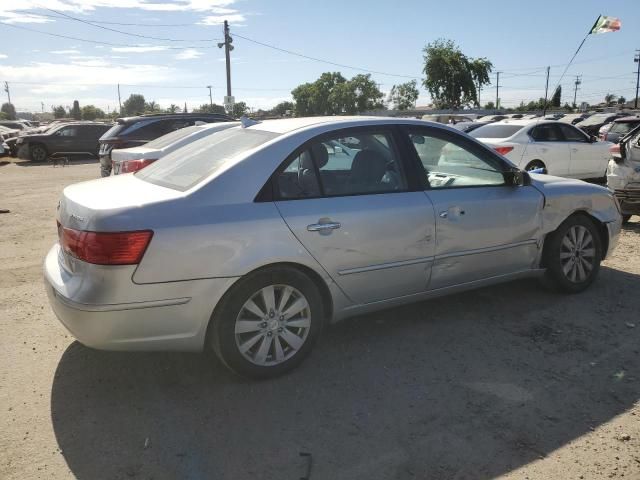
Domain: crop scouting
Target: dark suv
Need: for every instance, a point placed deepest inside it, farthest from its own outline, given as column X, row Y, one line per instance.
column 133, row 131
column 80, row 138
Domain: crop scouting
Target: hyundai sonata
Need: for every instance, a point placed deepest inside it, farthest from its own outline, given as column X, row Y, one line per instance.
column 251, row 240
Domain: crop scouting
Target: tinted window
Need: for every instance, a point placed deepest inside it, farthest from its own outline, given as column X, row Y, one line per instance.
column 189, row 165
column 68, row 132
column 450, row 162
column 623, row 127
column 496, row 131
column 572, row 134
column 547, row 133
column 299, row 178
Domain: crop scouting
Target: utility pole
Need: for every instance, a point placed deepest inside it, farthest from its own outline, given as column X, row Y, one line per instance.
column 575, row 91
column 119, row 101
column 497, row 90
column 227, row 49
column 42, row 106
column 6, row 89
column 637, row 60
column 210, row 98
column 546, row 91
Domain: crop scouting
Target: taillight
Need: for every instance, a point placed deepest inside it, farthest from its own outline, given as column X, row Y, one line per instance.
column 614, row 149
column 129, row 166
column 105, row 248
column 503, row 150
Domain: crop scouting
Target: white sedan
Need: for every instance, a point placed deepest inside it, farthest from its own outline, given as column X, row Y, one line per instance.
column 562, row 149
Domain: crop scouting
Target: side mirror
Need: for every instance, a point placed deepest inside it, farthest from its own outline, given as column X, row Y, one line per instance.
column 517, row 178
column 593, row 138
column 337, row 149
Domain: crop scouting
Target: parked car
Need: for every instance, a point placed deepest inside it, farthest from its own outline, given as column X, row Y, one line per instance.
column 132, row 159
column 492, row 118
column 135, row 131
column 250, row 240
column 64, row 139
column 559, row 148
column 573, row 118
column 14, row 124
column 620, row 127
column 623, row 173
column 592, row 124
column 468, row 126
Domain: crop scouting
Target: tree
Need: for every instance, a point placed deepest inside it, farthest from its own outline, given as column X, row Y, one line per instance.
column 134, row 105
column 152, row 107
column 91, row 112
column 239, row 109
column 609, row 98
column 489, row 106
column 59, row 112
column 555, row 100
column 9, row 110
column 173, row 108
column 403, row 96
column 75, row 110
column 209, row 108
column 622, row 100
column 332, row 94
column 452, row 78
column 282, row 108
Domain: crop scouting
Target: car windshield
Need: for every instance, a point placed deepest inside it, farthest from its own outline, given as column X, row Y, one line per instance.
column 623, row 127
column 595, row 120
column 189, row 165
column 496, row 131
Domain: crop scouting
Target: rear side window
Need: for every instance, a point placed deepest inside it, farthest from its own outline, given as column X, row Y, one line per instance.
column 547, row 133
column 496, row 131
column 189, row 165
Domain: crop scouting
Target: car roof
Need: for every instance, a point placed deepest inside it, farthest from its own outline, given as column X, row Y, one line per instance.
column 287, row 125
column 165, row 116
column 631, row 118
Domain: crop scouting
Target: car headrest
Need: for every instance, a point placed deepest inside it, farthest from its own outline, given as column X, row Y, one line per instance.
column 320, row 155
column 368, row 166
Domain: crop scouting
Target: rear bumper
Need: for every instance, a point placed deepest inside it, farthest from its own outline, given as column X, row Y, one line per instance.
column 113, row 313
column 629, row 200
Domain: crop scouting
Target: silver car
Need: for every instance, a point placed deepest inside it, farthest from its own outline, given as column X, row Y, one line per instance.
column 251, row 240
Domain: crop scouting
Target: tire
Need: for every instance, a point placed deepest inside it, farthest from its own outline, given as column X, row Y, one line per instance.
column 535, row 164
column 38, row 153
column 625, row 219
column 572, row 255
column 245, row 335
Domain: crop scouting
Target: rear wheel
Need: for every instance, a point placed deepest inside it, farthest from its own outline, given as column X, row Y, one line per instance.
column 268, row 323
column 535, row 164
column 38, row 153
column 572, row 254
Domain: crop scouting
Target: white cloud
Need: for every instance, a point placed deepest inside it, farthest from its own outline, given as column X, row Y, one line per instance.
column 2, row 55
column 8, row 16
column 234, row 18
column 139, row 49
column 188, row 54
column 70, row 51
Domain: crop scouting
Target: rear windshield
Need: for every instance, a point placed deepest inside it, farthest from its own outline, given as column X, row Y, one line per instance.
column 113, row 131
column 496, row 131
column 624, row 127
column 172, row 137
column 596, row 119
column 189, row 165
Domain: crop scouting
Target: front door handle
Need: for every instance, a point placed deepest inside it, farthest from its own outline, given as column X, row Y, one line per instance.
column 454, row 211
column 574, row 149
column 321, row 227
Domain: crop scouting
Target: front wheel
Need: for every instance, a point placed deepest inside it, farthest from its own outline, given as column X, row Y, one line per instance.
column 38, row 153
column 268, row 323
column 572, row 254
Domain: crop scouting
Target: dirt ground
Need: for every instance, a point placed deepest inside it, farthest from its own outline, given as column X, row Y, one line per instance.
column 504, row 382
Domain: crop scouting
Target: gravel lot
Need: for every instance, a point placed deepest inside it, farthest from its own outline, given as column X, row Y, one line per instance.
column 509, row 381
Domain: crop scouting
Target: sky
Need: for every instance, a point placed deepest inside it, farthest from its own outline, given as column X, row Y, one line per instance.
column 182, row 58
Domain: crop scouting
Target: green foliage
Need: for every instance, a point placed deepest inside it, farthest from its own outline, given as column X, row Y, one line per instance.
column 59, row 112
column 134, row 105
column 9, row 110
column 152, row 107
column 239, row 109
column 556, row 98
column 609, row 98
column 282, row 108
column 91, row 112
column 332, row 94
column 403, row 96
column 208, row 108
column 4, row 116
column 75, row 111
column 452, row 78
column 489, row 106
column 622, row 100
column 173, row 108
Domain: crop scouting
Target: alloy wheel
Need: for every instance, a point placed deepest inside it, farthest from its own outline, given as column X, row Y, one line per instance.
column 577, row 254
column 38, row 154
column 273, row 325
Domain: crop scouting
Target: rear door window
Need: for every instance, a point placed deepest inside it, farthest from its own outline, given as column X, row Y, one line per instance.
column 572, row 134
column 496, row 131
column 547, row 133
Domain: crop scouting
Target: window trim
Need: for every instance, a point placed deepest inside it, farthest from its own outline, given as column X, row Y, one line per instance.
column 461, row 140
column 390, row 130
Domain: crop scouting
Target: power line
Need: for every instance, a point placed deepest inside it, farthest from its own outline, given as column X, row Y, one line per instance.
column 165, row 47
column 126, row 24
column 315, row 59
column 93, row 24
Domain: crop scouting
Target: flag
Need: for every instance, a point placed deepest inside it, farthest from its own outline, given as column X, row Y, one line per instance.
column 606, row 24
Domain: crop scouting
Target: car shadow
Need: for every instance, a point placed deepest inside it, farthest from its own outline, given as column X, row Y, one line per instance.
column 72, row 161
column 468, row 386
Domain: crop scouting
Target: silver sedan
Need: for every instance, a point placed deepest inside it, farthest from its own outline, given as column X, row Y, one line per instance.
column 251, row 240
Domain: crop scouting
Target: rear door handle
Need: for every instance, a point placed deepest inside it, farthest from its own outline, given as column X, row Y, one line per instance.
column 320, row 227
column 574, row 149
